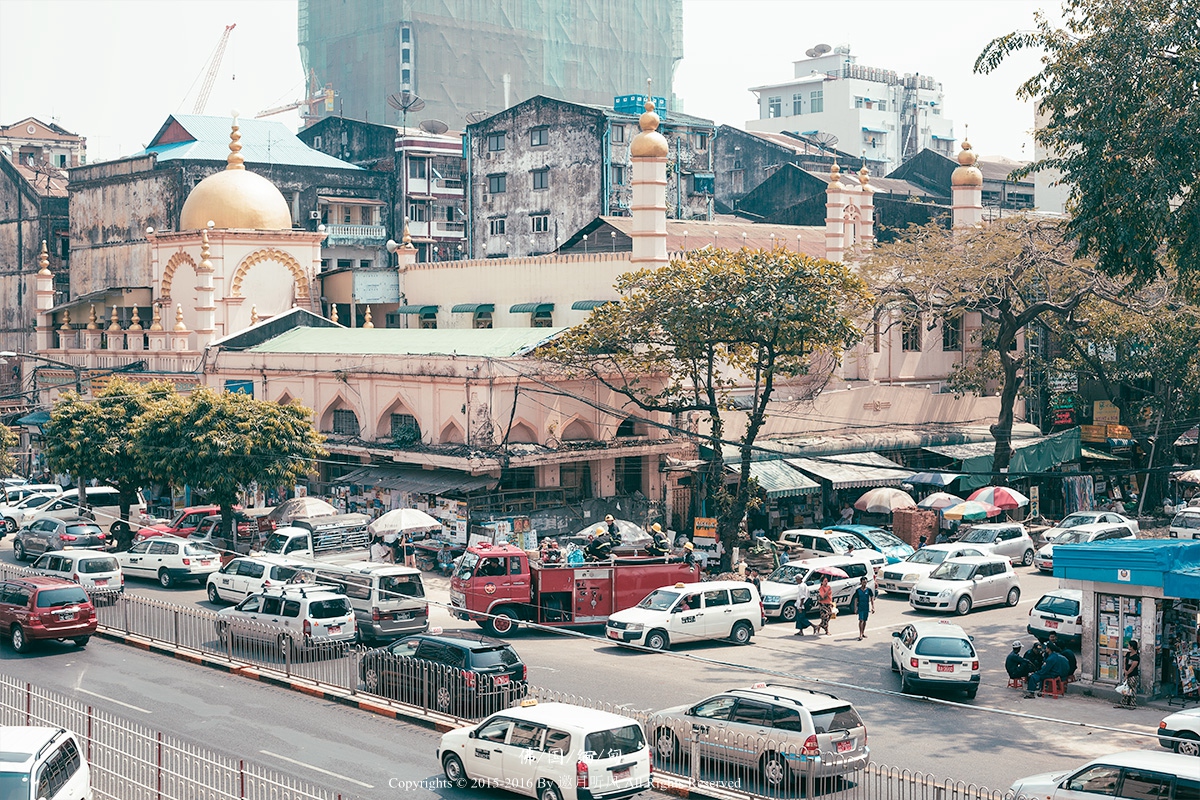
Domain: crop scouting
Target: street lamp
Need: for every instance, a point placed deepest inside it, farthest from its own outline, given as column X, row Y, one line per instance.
column 6, row 354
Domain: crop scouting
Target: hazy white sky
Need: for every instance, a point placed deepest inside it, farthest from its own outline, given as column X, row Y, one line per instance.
column 112, row 70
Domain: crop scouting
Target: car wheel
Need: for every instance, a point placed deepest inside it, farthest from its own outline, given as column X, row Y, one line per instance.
column 963, row 606
column 371, row 678
column 1027, row 559
column 666, row 746
column 503, row 622
column 904, row 684
column 974, row 690
column 165, row 579
column 287, row 647
column 1189, row 744
column 548, row 790
column 10, row 525
column 456, row 773
column 1014, row 596
column 214, row 596
column 223, row 633
column 788, row 612
column 895, row 666
column 742, row 632
column 441, row 699
column 774, row 770
column 19, row 551
column 657, row 640
column 81, row 641
column 20, row 642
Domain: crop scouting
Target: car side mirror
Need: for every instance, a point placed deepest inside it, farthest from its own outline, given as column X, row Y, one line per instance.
column 677, row 610
column 470, row 734
column 895, row 634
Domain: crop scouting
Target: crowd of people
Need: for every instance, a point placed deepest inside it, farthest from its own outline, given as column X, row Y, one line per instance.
column 394, row 548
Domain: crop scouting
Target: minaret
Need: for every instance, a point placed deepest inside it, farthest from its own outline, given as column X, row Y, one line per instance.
column 649, row 150
column 966, row 185
column 866, row 224
column 206, row 309
column 45, row 301
column 835, row 223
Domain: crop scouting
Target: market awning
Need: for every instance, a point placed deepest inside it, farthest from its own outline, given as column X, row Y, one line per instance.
column 1098, row 455
column 38, row 418
column 778, row 479
column 532, row 308
column 416, row 309
column 1183, row 582
column 473, row 308
column 1029, row 456
column 415, row 479
column 588, row 305
column 853, row 470
column 1189, row 438
column 945, row 138
column 1120, row 445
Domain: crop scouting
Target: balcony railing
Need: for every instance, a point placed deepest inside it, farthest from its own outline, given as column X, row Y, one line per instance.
column 352, row 234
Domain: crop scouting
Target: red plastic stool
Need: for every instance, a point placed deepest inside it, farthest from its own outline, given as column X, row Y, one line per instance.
column 1016, row 683
column 1053, row 687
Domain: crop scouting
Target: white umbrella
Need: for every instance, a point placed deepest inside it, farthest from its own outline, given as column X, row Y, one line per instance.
column 300, row 508
column 404, row 520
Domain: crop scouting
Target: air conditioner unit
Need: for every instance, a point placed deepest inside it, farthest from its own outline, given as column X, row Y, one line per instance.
column 314, row 215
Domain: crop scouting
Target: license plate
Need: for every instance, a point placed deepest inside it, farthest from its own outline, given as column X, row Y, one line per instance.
column 501, row 680
column 945, row 668
column 614, row 635
column 335, row 628
column 63, row 616
column 400, row 615
column 204, row 562
column 102, row 581
column 1051, row 623
column 846, row 746
column 621, row 774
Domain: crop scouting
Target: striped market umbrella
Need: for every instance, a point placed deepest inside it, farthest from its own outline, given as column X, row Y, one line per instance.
column 884, row 500
column 1191, row 476
column 939, row 500
column 971, row 511
column 933, row 478
column 1000, row 496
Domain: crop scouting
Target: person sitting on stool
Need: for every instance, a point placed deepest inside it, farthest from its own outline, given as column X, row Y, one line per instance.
column 1016, row 665
column 1055, row 666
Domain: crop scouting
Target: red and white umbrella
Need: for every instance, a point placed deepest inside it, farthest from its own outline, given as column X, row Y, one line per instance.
column 940, row 500
column 1000, row 496
column 971, row 511
column 884, row 500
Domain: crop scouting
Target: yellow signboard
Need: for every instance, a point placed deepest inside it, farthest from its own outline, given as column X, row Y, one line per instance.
column 1092, row 433
column 1105, row 413
column 1118, row 432
column 705, row 528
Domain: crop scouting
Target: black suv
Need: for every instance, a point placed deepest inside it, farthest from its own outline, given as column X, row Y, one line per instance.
column 462, row 673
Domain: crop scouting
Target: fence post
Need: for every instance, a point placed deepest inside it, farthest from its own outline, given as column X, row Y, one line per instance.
column 158, row 758
column 694, row 759
column 242, row 778
column 125, row 612
column 89, row 733
column 28, row 703
column 175, row 614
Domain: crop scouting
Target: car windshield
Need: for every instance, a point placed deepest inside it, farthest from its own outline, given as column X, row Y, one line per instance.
column 845, row 542
column 400, row 586
column 66, row 596
column 787, row 573
column 616, row 742
column 1053, row 604
column 90, row 565
column 14, row 785
column 1071, row 537
column 495, row 657
column 199, row 550
column 953, row 571
column 466, row 564
column 325, row 609
column 83, row 530
column 841, row 718
column 659, row 600
column 927, row 556
column 1075, row 520
column 945, row 646
column 882, row 539
column 980, row 536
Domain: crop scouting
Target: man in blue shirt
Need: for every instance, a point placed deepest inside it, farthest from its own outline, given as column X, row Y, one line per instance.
column 1055, row 666
column 864, row 603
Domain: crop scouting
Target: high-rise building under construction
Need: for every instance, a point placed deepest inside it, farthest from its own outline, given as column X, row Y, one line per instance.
column 467, row 56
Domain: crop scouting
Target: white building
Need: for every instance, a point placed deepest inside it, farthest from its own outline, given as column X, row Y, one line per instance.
column 876, row 113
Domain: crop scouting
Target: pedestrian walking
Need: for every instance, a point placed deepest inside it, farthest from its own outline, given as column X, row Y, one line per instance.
column 754, row 579
column 825, row 603
column 1131, row 676
column 864, row 604
column 803, row 605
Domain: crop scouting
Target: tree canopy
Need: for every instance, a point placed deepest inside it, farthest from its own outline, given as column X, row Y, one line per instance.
column 690, row 335
column 8, row 440
column 1120, row 91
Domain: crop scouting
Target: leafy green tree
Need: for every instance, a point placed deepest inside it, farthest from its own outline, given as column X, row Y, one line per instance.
column 74, row 440
column 1013, row 272
column 8, row 441
column 224, row 441
column 682, row 338
column 1120, row 90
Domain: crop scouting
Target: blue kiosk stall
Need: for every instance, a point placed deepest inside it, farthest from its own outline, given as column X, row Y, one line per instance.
column 1146, row 590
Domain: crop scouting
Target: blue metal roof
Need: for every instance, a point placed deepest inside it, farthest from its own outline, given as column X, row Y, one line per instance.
column 263, row 142
column 1140, row 562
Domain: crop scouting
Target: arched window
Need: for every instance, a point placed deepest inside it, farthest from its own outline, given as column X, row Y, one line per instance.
column 522, row 434
column 451, row 434
column 345, row 422
column 627, row 428
column 577, row 431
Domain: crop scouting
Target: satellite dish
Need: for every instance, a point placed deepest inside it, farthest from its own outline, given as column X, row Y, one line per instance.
column 821, row 49
column 811, row 52
column 476, row 116
column 824, row 140
column 405, row 101
column 434, row 126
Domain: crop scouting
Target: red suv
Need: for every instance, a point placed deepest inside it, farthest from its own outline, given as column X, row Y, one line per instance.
column 35, row 607
column 182, row 526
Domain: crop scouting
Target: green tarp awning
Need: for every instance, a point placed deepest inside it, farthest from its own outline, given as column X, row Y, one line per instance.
column 473, row 308
column 531, row 308
column 778, row 479
column 1029, row 456
column 588, row 305
column 416, row 309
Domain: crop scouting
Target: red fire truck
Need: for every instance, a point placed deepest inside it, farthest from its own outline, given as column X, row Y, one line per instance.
column 500, row 580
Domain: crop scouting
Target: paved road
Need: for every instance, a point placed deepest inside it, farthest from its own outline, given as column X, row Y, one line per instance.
column 908, row 732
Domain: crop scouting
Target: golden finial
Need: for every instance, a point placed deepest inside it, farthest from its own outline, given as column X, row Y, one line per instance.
column 135, row 322
column 649, row 143
column 253, row 315
column 835, row 178
column 179, row 326
column 66, row 326
column 156, row 319
column 44, row 260
column 235, row 160
column 333, row 315
column 91, row 326
column 113, row 325
column 205, row 264
column 367, row 318
column 406, row 239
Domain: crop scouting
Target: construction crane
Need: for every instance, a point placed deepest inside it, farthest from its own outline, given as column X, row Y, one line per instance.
column 316, row 97
column 214, row 64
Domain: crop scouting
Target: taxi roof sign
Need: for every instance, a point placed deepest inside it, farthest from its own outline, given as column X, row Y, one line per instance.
column 528, row 702
column 681, row 585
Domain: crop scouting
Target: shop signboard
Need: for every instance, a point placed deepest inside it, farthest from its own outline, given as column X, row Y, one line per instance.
column 1064, row 416
column 1063, row 382
column 1093, row 433
column 1035, row 501
column 1105, row 413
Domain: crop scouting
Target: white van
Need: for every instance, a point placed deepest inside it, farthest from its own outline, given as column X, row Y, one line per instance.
column 104, row 505
column 18, row 514
column 15, row 494
column 1185, row 524
column 388, row 599
column 690, row 612
column 550, row 750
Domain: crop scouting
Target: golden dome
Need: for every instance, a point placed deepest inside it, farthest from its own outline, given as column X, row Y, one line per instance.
column 967, row 174
column 235, row 198
column 835, row 179
column 649, row 143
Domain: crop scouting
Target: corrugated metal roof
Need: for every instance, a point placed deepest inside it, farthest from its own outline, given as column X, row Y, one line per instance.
column 778, row 479
column 263, row 142
column 485, row 343
column 415, row 479
column 853, row 470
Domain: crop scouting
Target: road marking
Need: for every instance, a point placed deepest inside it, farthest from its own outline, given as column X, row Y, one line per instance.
column 316, row 769
column 118, row 702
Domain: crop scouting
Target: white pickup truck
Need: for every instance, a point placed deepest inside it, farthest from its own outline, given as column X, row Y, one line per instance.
column 315, row 537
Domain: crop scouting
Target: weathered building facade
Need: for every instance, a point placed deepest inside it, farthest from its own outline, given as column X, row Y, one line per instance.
column 541, row 170
column 32, row 142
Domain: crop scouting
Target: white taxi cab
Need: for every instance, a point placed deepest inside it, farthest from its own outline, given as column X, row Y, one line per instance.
column 689, row 612
column 551, row 751
column 935, row 656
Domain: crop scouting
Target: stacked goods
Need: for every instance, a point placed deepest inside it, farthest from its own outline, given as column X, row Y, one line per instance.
column 909, row 524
